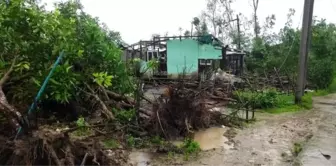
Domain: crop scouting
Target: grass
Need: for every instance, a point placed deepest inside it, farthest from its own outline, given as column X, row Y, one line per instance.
column 130, row 141
column 307, row 100
column 190, row 148
column 297, row 148
column 329, row 90
column 111, row 143
column 286, row 104
column 271, row 101
column 287, row 101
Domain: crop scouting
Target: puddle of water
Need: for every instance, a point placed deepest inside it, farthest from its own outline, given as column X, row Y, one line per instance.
column 211, row 138
column 140, row 158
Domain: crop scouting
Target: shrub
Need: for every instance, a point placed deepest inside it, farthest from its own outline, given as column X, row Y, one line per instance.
column 124, row 116
column 268, row 98
column 321, row 72
column 190, row 147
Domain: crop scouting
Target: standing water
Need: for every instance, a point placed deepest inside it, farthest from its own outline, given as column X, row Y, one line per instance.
column 211, row 138
column 140, row 158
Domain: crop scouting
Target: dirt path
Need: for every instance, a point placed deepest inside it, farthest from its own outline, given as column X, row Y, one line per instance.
column 270, row 141
column 324, row 139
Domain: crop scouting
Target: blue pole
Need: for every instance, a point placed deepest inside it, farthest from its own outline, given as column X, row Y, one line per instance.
column 32, row 107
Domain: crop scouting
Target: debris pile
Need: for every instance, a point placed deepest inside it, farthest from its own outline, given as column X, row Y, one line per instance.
column 43, row 144
column 221, row 76
column 48, row 147
column 186, row 107
column 283, row 83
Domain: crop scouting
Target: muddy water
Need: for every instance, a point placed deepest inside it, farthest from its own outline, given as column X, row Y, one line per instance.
column 138, row 158
column 211, row 138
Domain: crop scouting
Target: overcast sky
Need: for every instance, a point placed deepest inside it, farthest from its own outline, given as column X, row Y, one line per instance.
column 139, row 19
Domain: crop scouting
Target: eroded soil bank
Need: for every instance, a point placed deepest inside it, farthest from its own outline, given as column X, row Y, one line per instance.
column 268, row 142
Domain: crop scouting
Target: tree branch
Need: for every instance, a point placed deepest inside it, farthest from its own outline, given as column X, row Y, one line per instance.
column 6, row 76
column 106, row 111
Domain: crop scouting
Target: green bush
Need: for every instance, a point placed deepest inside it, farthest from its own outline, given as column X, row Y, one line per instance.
column 272, row 101
column 321, row 73
column 332, row 86
column 190, row 147
column 34, row 37
column 130, row 141
column 268, row 98
column 124, row 116
column 111, row 143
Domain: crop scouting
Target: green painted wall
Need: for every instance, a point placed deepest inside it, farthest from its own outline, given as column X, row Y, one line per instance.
column 185, row 54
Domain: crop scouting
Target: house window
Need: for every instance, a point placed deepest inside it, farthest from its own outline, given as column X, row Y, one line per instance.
column 151, row 55
column 206, row 62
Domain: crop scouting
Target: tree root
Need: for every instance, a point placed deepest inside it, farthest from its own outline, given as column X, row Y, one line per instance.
column 47, row 147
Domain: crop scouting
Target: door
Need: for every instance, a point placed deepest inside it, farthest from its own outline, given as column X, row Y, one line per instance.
column 204, row 69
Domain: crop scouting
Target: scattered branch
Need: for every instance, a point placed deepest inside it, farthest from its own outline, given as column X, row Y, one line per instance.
column 84, row 159
column 105, row 110
column 6, row 75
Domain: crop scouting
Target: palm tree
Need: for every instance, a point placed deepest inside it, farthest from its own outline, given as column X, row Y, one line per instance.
column 195, row 22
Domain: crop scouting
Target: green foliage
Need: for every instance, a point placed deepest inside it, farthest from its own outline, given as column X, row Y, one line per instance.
column 81, row 122
column 190, row 147
column 125, row 116
column 35, row 37
column 267, row 98
column 153, row 64
column 321, row 72
column 62, row 86
column 22, row 66
column 307, row 101
column 130, row 141
column 297, row 148
column 157, row 140
column 111, row 143
column 83, row 127
column 170, row 155
column 332, row 86
column 271, row 101
column 287, row 104
column 103, row 79
column 282, row 51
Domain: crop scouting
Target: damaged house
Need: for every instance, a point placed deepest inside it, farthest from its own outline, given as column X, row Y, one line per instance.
column 190, row 55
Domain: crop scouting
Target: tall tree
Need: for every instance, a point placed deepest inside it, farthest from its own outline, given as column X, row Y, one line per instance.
column 267, row 34
column 225, row 21
column 255, row 18
column 203, row 29
column 212, row 15
column 186, row 33
column 290, row 14
column 195, row 24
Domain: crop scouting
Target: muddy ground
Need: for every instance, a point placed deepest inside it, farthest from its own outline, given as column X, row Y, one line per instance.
column 267, row 142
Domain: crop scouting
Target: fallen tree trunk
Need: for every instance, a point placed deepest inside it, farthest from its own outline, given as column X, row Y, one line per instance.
column 109, row 115
column 119, row 97
column 15, row 117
